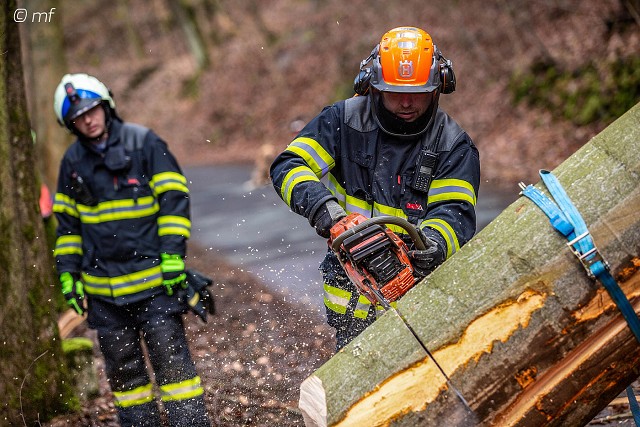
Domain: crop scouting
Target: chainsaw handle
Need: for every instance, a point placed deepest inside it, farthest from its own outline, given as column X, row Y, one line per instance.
column 400, row 222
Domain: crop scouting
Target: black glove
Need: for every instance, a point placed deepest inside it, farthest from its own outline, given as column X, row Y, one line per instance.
column 326, row 216
column 426, row 260
column 199, row 299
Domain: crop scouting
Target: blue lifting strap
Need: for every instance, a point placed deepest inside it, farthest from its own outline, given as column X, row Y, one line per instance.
column 566, row 219
column 633, row 404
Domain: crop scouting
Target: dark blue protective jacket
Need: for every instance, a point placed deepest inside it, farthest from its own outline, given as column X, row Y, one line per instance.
column 342, row 154
column 133, row 206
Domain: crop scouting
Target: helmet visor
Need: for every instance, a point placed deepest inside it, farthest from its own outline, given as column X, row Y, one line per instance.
column 86, row 101
column 393, row 82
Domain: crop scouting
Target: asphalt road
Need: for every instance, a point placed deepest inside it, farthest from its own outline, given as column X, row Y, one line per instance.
column 255, row 231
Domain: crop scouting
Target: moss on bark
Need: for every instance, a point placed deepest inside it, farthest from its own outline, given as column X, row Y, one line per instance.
column 34, row 379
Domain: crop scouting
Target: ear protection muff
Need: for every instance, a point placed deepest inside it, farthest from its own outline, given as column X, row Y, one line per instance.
column 361, row 82
column 447, row 77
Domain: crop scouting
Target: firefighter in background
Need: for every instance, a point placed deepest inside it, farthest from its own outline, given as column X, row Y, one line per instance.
column 122, row 204
column 388, row 151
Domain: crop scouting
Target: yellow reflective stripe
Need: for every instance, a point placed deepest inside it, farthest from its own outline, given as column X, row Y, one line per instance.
column 114, row 210
column 65, row 204
column 123, row 285
column 353, row 204
column 383, row 210
column 362, row 307
column 336, row 189
column 336, row 299
column 294, row 177
column 350, row 203
column 165, row 181
column 181, row 391
column 69, row 244
column 446, row 231
column 194, row 299
column 380, row 209
column 137, row 396
column 313, row 154
column 442, row 190
column 172, row 224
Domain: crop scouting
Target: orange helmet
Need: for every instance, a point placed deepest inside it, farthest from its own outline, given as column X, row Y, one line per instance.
column 406, row 61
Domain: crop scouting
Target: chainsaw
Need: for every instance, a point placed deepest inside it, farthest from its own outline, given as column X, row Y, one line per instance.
column 376, row 261
column 374, row 257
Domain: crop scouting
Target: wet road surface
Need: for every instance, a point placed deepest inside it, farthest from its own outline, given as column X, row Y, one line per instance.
column 255, row 231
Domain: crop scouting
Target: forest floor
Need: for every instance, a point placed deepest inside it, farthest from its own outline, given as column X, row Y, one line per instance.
column 252, row 356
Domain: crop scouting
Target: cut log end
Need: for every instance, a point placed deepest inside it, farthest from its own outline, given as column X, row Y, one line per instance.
column 313, row 402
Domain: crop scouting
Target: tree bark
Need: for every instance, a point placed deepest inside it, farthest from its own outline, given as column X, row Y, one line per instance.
column 33, row 379
column 45, row 64
column 514, row 320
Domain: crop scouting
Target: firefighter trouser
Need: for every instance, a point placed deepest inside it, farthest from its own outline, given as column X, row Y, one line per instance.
column 158, row 322
column 348, row 311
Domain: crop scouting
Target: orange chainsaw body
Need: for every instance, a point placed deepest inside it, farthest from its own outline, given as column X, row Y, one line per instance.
column 374, row 258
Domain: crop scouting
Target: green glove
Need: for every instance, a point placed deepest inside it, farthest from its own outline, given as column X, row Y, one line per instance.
column 172, row 272
column 73, row 290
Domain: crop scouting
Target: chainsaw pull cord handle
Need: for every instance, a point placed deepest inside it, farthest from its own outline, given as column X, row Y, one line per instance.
column 400, row 222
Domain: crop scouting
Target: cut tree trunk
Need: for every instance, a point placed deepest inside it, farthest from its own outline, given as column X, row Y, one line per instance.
column 513, row 319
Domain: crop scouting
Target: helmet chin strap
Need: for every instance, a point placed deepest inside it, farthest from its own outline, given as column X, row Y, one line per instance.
column 376, row 103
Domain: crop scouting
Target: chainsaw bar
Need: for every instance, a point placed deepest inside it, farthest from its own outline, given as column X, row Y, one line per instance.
column 388, row 307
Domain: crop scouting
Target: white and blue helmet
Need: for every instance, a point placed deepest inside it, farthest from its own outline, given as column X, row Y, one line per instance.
column 78, row 93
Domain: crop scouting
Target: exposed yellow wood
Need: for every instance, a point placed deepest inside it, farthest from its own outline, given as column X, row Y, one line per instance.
column 414, row 388
column 620, row 401
column 68, row 321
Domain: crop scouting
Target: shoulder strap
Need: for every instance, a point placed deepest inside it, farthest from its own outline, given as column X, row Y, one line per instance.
column 133, row 136
column 357, row 114
column 443, row 134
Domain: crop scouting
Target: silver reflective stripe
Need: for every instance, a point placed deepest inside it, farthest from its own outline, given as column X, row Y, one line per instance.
column 183, row 390
column 336, row 299
column 137, row 396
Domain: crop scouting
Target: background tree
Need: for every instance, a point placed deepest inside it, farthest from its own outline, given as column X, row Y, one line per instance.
column 33, row 380
column 184, row 14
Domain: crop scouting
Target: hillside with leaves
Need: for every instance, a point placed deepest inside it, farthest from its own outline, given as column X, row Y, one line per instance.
column 535, row 79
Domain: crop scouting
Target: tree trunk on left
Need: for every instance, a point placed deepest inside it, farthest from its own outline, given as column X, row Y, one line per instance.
column 33, row 380
column 44, row 65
